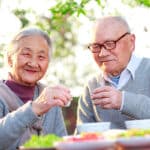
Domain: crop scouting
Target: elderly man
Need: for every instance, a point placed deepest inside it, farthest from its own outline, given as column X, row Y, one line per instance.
column 122, row 91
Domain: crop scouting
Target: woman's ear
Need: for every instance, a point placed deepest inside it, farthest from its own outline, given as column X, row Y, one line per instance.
column 9, row 61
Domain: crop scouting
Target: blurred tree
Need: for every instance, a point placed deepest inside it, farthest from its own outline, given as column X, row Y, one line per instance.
column 61, row 18
column 137, row 2
column 144, row 2
column 21, row 14
column 61, row 21
column 59, row 24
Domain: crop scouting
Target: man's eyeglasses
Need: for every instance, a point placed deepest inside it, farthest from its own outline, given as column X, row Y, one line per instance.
column 108, row 45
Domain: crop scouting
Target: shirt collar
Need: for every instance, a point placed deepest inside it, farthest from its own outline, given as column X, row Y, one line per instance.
column 131, row 67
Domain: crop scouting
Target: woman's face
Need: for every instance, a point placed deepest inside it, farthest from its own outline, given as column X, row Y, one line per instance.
column 30, row 62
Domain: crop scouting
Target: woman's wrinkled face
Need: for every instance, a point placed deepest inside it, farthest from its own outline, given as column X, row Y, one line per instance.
column 30, row 62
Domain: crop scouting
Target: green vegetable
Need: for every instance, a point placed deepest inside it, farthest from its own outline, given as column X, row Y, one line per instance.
column 135, row 132
column 42, row 141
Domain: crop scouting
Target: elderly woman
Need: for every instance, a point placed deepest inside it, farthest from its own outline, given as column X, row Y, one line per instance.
column 26, row 106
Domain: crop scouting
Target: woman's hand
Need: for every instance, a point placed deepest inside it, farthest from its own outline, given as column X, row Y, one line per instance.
column 50, row 97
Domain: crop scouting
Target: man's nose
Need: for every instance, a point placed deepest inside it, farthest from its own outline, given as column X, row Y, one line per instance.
column 103, row 52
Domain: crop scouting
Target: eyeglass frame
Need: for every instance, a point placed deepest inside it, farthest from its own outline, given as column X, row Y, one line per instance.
column 99, row 46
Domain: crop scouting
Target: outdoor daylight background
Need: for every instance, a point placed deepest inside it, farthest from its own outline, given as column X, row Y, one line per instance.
column 68, row 22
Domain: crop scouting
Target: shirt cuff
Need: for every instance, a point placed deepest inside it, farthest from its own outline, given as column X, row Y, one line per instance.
column 122, row 103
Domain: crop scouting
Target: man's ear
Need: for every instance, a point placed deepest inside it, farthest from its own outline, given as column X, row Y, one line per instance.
column 132, row 40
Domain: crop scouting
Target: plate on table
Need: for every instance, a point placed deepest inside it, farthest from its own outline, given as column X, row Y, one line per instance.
column 77, row 143
column 85, row 145
column 134, row 141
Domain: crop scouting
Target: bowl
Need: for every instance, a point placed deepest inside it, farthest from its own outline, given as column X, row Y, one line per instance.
column 93, row 127
column 23, row 148
column 138, row 124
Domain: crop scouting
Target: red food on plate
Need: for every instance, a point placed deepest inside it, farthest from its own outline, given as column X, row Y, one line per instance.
column 84, row 137
column 85, row 141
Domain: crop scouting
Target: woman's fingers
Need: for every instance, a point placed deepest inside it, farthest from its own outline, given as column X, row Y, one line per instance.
column 50, row 97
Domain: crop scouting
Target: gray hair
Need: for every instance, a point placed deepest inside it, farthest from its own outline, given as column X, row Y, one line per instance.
column 122, row 21
column 28, row 32
column 115, row 19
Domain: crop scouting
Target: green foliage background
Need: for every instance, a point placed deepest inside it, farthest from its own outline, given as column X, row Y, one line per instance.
column 62, row 16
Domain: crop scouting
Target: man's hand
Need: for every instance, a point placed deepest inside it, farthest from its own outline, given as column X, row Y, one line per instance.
column 107, row 97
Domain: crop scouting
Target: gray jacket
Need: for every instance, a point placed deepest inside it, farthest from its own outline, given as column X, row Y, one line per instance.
column 136, row 100
column 18, row 125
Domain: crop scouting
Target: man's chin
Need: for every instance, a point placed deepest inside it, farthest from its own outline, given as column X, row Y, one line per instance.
column 107, row 70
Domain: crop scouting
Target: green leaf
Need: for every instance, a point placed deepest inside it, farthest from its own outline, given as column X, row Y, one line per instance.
column 144, row 2
column 98, row 2
column 42, row 141
column 81, row 11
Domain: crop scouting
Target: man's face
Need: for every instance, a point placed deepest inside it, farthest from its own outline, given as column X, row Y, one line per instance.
column 29, row 63
column 113, row 61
